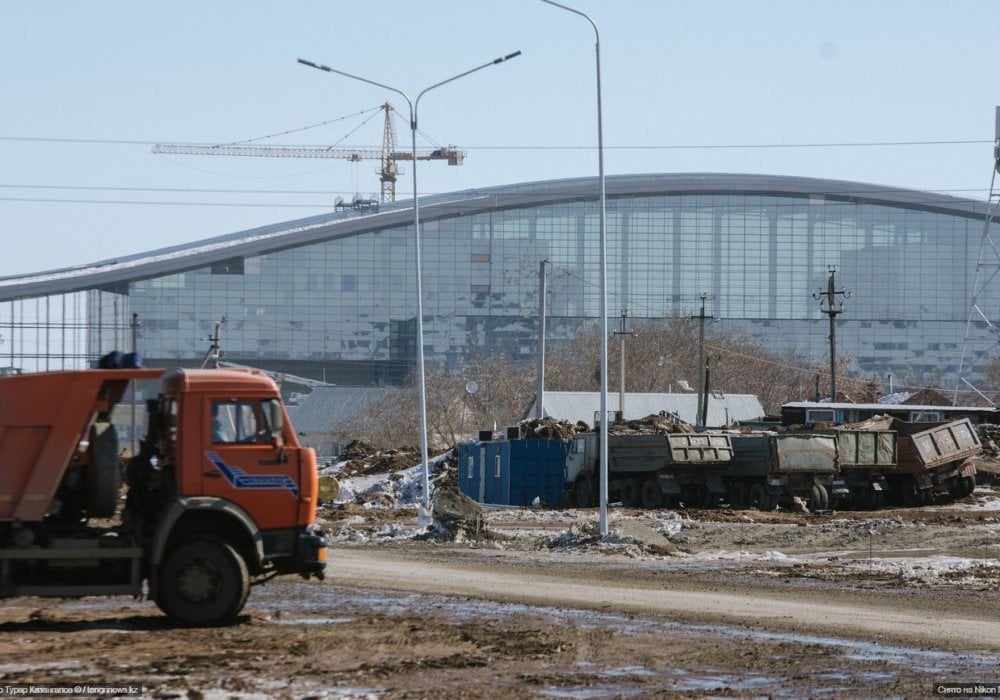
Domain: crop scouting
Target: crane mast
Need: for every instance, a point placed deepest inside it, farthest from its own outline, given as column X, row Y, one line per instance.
column 387, row 155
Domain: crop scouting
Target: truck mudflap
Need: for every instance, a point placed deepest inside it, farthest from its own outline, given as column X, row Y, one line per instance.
column 715, row 485
column 839, row 487
column 668, row 484
column 968, row 467
column 310, row 553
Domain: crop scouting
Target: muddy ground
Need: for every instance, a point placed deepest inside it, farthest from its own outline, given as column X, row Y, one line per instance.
column 892, row 603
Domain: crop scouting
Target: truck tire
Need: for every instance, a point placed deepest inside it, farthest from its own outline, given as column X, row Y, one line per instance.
column 104, row 474
column 962, row 486
column 583, row 493
column 203, row 583
column 874, row 499
column 820, row 499
column 737, row 495
column 652, row 494
column 908, row 492
column 631, row 493
column 759, row 497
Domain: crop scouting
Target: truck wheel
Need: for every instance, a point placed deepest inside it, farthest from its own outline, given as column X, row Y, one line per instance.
column 820, row 499
column 583, row 493
column 759, row 497
column 631, row 493
column 908, row 492
column 737, row 495
column 104, row 475
column 962, row 486
column 652, row 494
column 874, row 499
column 204, row 582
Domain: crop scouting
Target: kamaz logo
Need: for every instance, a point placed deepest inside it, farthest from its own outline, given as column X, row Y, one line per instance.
column 239, row 479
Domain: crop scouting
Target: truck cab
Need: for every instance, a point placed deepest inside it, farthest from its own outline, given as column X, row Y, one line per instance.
column 219, row 494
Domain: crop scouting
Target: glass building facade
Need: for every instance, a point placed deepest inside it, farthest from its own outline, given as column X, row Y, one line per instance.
column 333, row 297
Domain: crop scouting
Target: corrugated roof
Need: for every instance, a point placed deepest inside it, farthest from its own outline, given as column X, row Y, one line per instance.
column 723, row 409
column 326, row 408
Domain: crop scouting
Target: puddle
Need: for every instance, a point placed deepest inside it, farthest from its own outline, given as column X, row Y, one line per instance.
column 894, row 662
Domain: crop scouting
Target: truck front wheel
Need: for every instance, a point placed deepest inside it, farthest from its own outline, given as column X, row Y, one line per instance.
column 204, row 582
column 652, row 494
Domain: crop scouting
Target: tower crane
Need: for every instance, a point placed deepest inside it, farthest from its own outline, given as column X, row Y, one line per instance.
column 388, row 155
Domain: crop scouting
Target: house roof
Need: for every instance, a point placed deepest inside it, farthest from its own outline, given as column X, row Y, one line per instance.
column 327, row 407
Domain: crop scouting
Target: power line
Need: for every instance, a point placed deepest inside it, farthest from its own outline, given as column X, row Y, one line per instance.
column 543, row 147
column 166, row 204
column 98, row 188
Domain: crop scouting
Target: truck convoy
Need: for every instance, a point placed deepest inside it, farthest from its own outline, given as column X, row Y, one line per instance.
column 219, row 494
column 862, row 466
column 705, row 469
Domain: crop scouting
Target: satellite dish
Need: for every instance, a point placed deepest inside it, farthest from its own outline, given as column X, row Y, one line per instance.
column 471, row 387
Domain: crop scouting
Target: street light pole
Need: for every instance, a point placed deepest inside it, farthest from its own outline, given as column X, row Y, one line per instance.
column 603, row 497
column 421, row 378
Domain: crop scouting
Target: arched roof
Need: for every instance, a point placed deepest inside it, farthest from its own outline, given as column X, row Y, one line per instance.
column 267, row 239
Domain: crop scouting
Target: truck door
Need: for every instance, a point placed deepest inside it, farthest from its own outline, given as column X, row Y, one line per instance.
column 243, row 462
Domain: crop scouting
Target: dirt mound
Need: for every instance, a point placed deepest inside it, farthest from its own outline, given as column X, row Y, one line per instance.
column 455, row 514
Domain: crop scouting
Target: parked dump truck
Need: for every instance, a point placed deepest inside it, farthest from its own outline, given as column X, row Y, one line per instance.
column 772, row 468
column 936, row 461
column 651, row 471
column 219, row 494
column 906, row 463
column 867, row 455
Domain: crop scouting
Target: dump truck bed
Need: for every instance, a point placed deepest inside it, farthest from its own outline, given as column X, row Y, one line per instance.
column 867, row 448
column 650, row 453
column 43, row 420
column 926, row 446
column 787, row 453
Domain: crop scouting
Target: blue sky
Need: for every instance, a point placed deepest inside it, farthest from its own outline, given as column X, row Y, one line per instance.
column 711, row 86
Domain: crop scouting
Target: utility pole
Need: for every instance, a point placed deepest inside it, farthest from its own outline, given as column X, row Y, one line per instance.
column 828, row 299
column 135, row 352
column 540, row 389
column 702, row 398
column 621, row 380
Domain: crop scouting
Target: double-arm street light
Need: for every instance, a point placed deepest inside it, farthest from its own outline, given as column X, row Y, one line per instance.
column 603, row 496
column 413, row 105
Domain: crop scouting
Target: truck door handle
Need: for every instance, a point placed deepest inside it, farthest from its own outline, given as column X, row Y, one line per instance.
column 212, row 475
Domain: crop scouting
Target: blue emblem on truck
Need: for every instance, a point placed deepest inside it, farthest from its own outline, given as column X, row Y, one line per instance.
column 239, row 479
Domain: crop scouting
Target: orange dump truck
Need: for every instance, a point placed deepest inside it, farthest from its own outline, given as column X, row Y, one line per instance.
column 219, row 494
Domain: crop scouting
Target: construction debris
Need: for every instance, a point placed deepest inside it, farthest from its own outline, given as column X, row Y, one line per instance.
column 658, row 424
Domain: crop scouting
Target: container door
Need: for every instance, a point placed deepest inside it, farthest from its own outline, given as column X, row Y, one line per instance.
column 242, row 463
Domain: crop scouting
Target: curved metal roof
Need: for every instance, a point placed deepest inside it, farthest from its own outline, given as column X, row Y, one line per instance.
column 291, row 234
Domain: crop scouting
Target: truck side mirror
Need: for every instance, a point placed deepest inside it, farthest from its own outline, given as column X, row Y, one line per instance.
column 275, row 419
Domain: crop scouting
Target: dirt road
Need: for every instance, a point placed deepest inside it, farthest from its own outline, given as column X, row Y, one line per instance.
column 655, row 592
column 749, row 605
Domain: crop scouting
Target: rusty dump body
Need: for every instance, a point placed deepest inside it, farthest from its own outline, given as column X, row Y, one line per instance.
column 219, row 493
column 887, row 459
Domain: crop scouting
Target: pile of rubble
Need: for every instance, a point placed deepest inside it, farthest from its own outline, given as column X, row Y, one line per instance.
column 361, row 459
column 989, row 460
column 657, row 424
column 551, row 429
